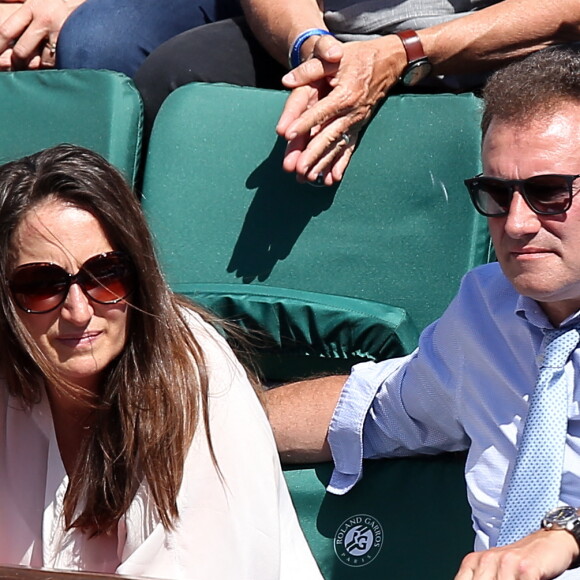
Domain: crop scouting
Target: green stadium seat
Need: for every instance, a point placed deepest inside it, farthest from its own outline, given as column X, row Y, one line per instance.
column 390, row 242
column 407, row 519
column 399, row 229
column 100, row 110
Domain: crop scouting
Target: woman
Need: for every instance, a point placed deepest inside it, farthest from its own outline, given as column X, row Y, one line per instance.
column 131, row 440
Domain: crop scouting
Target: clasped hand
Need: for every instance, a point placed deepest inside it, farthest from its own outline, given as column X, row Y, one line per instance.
column 333, row 95
column 29, row 30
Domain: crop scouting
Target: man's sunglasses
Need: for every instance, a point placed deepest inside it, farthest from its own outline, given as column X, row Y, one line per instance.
column 41, row 287
column 544, row 194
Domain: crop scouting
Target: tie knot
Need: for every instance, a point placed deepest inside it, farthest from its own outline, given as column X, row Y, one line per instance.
column 559, row 346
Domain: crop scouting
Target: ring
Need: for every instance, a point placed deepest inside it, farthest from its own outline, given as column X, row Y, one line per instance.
column 51, row 47
column 346, row 138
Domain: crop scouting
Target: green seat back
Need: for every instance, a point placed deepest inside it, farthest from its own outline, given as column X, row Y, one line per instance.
column 406, row 519
column 399, row 229
column 100, row 110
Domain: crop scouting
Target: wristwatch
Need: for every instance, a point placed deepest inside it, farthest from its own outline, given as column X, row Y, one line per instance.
column 564, row 517
column 418, row 65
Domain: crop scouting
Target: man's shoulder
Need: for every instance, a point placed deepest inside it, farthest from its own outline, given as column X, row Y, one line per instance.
column 487, row 284
column 489, row 275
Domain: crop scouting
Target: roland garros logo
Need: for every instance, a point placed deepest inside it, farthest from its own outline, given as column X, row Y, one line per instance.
column 358, row 540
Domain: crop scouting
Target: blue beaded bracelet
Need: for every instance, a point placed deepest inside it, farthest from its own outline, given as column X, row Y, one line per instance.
column 294, row 59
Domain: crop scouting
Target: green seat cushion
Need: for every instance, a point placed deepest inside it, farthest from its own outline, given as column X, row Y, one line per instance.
column 407, row 519
column 296, row 334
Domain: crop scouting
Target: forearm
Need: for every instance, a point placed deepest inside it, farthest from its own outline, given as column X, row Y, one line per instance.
column 495, row 35
column 300, row 414
column 276, row 23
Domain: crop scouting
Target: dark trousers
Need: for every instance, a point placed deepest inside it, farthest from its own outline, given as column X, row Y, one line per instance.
column 224, row 51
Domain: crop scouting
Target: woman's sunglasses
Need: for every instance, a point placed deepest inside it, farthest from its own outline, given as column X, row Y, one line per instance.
column 41, row 287
column 544, row 194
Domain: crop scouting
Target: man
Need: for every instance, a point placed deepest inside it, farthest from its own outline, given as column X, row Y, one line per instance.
column 471, row 384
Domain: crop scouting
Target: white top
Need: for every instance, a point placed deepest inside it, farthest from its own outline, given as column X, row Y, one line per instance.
column 245, row 528
column 466, row 387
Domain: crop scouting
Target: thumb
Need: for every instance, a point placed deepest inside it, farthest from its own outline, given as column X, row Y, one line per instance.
column 328, row 48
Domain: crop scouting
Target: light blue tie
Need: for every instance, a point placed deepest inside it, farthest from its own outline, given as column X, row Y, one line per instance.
column 534, row 487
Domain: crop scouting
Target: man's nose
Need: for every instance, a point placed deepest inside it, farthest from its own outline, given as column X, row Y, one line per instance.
column 521, row 219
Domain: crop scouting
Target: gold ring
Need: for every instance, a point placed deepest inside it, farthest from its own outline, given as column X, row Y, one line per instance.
column 51, row 47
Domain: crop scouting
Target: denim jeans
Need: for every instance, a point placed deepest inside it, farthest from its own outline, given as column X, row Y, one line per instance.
column 119, row 34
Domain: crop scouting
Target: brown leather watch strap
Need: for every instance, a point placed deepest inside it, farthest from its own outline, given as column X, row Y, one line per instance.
column 412, row 44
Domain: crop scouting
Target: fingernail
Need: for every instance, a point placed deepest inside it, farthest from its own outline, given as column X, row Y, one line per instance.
column 318, row 182
column 289, row 78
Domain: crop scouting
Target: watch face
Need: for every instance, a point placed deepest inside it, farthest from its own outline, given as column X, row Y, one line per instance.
column 562, row 513
column 559, row 517
column 416, row 71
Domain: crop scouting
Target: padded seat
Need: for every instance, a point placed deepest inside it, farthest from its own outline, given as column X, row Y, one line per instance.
column 235, row 232
column 407, row 519
column 399, row 229
column 100, row 110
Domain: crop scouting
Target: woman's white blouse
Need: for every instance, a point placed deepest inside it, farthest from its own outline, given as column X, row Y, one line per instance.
column 241, row 527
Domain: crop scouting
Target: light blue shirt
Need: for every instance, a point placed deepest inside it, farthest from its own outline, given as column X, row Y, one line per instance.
column 466, row 387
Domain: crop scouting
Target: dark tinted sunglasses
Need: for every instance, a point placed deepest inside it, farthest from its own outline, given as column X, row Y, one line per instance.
column 544, row 194
column 40, row 287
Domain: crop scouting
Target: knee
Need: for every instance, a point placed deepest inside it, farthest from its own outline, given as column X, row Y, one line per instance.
column 98, row 35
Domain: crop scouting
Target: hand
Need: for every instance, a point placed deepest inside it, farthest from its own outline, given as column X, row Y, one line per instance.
column 27, row 35
column 540, row 556
column 6, row 10
column 333, row 95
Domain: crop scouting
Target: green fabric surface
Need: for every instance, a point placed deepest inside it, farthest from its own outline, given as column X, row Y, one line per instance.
column 297, row 334
column 100, row 110
column 419, row 503
column 399, row 229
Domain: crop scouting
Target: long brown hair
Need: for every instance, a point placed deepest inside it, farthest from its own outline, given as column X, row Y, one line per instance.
column 155, row 392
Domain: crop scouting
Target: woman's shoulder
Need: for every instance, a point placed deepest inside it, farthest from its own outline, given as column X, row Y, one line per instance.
column 222, row 365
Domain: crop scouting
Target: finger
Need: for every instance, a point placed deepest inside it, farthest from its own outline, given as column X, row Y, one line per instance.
column 330, row 139
column 329, row 157
column 35, row 63
column 32, row 41
column 293, row 151
column 48, row 54
column 339, row 153
column 328, row 48
column 298, row 102
column 6, row 60
column 13, row 27
column 342, row 162
column 309, row 71
column 330, row 163
column 337, row 104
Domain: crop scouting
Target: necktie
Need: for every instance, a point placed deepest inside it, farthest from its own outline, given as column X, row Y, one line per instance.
column 534, row 487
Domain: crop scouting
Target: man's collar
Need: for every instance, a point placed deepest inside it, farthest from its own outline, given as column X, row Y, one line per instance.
column 534, row 314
